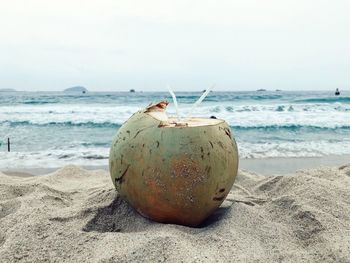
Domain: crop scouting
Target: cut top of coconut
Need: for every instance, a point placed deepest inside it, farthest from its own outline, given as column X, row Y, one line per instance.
column 191, row 122
column 157, row 111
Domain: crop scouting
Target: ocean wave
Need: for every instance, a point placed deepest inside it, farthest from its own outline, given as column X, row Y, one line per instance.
column 88, row 124
column 217, row 97
column 249, row 126
column 108, row 112
column 292, row 149
column 292, row 127
column 95, row 157
column 58, row 129
column 39, row 102
column 28, row 98
column 325, row 100
column 283, row 108
column 51, row 158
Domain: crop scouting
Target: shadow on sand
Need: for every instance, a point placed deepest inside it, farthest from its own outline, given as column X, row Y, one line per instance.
column 119, row 216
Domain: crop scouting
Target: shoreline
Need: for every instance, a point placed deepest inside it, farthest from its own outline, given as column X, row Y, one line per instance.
column 291, row 165
column 264, row 166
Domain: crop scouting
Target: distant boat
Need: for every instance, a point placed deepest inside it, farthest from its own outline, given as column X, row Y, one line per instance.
column 337, row 92
column 261, row 90
column 132, row 90
column 278, row 90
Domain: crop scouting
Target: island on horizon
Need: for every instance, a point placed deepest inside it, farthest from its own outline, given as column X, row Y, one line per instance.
column 8, row 90
column 76, row 89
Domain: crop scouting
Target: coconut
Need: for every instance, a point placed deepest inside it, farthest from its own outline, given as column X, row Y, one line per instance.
column 171, row 171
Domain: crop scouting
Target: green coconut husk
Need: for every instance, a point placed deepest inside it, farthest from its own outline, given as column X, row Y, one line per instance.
column 173, row 172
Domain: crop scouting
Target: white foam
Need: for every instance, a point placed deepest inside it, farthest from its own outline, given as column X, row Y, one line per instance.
column 245, row 116
column 99, row 155
column 293, row 149
column 54, row 158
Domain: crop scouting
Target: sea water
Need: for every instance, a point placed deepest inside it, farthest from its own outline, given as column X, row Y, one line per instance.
column 49, row 129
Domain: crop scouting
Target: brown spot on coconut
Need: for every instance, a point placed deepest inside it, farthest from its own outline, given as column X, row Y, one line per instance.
column 169, row 180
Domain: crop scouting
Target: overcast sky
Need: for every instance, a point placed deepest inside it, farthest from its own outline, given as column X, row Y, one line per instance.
column 123, row 44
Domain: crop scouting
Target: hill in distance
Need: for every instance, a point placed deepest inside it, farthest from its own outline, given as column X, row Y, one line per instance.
column 76, row 89
column 7, row 90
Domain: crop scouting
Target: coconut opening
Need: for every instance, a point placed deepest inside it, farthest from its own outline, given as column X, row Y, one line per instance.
column 191, row 122
column 157, row 111
column 174, row 122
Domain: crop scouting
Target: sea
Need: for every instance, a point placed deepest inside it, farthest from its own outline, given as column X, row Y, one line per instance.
column 52, row 129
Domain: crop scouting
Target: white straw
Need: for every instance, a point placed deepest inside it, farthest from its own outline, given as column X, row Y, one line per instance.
column 196, row 104
column 175, row 103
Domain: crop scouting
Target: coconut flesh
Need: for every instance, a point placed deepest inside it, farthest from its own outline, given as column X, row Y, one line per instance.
column 173, row 171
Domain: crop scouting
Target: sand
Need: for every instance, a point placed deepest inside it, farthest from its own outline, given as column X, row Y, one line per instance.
column 75, row 215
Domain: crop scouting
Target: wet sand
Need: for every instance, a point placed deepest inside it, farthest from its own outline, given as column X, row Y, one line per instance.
column 267, row 166
column 281, row 166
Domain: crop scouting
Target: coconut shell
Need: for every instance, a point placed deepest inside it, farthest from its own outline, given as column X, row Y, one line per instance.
column 173, row 173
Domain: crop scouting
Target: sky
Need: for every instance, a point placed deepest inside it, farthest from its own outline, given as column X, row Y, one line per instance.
column 114, row 45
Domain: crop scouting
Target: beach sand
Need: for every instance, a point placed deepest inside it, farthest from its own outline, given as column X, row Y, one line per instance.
column 75, row 215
